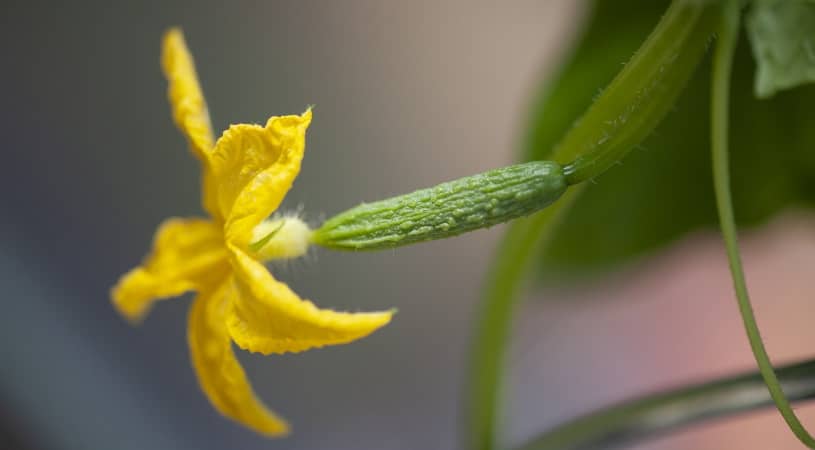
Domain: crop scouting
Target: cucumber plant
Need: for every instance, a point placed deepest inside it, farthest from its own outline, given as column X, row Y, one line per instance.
column 744, row 105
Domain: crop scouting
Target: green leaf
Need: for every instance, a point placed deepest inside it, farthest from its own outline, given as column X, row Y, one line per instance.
column 783, row 36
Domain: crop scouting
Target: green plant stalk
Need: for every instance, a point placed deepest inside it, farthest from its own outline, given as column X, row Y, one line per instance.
column 626, row 112
column 514, row 253
column 656, row 414
column 647, row 89
column 722, row 67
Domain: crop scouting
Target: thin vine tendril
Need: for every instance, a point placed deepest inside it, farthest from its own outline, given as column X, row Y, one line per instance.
column 722, row 67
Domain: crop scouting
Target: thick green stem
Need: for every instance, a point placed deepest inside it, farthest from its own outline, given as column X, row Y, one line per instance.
column 722, row 67
column 640, row 96
column 632, row 421
column 626, row 112
column 516, row 251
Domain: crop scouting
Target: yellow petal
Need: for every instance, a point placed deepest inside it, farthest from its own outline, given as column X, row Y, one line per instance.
column 268, row 317
column 220, row 375
column 187, row 254
column 254, row 168
column 189, row 108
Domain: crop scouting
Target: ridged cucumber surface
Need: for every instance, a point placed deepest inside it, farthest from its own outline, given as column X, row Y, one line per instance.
column 446, row 210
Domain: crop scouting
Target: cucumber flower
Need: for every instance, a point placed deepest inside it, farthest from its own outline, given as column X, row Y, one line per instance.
column 245, row 175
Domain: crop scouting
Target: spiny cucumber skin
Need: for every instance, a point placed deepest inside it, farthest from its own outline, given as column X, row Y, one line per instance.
column 446, row 210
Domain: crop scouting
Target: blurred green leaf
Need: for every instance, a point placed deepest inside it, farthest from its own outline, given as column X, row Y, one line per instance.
column 783, row 36
column 663, row 189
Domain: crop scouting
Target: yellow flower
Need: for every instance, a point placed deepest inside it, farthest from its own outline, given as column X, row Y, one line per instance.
column 245, row 175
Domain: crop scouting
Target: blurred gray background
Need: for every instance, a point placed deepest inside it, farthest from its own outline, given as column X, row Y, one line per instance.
column 407, row 95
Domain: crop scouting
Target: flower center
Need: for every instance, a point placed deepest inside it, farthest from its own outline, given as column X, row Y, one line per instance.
column 280, row 238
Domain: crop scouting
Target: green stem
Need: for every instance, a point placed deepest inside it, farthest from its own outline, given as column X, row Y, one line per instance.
column 515, row 253
column 722, row 67
column 626, row 112
column 656, row 414
column 642, row 93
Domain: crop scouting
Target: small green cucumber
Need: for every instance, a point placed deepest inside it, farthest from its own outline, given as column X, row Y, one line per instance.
column 446, row 210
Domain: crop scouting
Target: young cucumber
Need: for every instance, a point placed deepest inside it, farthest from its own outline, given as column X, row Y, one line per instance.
column 446, row 210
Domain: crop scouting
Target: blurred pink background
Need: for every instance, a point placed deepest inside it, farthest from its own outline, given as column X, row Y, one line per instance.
column 668, row 320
